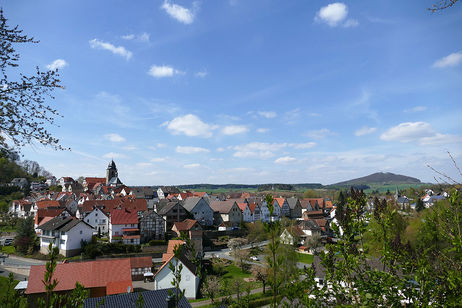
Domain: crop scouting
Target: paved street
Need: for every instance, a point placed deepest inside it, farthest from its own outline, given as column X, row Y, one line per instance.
column 19, row 266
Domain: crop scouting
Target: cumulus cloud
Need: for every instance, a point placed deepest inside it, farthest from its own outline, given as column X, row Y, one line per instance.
column 192, row 166
column 190, row 125
column 158, row 159
column 300, row 146
column 267, row 114
column 163, row 71
column 57, row 64
column 284, row 160
column 319, row 133
column 266, row 150
column 112, row 155
column 332, row 14
column 234, row 129
column 180, row 13
column 416, row 109
column 190, row 150
column 114, row 137
column 262, row 130
column 419, row 132
column 117, row 50
column 350, row 23
column 451, row 60
column 365, row 131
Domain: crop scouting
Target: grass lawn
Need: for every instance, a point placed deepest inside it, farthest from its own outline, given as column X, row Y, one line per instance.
column 8, row 249
column 232, row 271
column 305, row 258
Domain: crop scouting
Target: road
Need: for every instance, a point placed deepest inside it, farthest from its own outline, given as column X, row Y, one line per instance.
column 19, row 266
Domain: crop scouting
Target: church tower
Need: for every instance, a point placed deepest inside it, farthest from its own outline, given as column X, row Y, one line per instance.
column 111, row 171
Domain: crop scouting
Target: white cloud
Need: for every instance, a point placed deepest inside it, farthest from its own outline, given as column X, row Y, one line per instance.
column 190, row 125
column 161, row 145
column 179, row 12
column 451, row 60
column 220, row 149
column 319, row 134
column 201, row 74
column 365, row 131
column 285, row 160
column 57, row 64
column 332, row 14
column 190, row 150
column 112, row 155
column 117, row 50
column 143, row 37
column 143, row 165
column 420, row 132
column 163, row 71
column 307, row 145
column 114, row 137
column 130, row 148
column 234, row 129
column 192, row 166
column 158, row 159
column 262, row 130
column 350, row 23
column 416, row 109
column 267, row 114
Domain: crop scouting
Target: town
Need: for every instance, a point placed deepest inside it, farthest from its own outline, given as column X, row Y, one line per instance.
column 154, row 236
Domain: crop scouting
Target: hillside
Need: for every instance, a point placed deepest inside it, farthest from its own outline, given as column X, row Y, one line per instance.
column 380, row 178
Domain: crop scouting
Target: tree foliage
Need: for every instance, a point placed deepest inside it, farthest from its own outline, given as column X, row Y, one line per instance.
column 24, row 112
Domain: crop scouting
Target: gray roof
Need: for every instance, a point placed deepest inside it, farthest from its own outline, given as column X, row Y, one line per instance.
column 292, row 202
column 164, row 207
column 115, row 180
column 306, row 205
column 223, row 207
column 61, row 224
column 308, row 225
column 127, row 300
column 191, row 202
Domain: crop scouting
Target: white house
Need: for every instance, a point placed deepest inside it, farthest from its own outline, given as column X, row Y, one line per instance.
column 21, row 208
column 283, row 205
column 123, row 227
column 246, row 213
column 264, row 212
column 65, row 233
column 98, row 220
column 227, row 211
column 255, row 211
column 189, row 280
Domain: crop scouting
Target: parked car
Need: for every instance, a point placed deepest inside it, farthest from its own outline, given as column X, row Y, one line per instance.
column 8, row 242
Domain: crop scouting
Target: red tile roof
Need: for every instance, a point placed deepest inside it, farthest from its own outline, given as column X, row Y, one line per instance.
column 279, row 200
column 242, row 206
column 124, row 203
column 185, row 225
column 140, row 262
column 119, row 287
column 47, row 212
column 123, row 217
column 199, row 194
column 91, row 274
column 252, row 207
column 172, row 244
column 47, row 203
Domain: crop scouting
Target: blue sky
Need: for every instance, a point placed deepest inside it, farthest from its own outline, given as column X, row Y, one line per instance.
column 180, row 92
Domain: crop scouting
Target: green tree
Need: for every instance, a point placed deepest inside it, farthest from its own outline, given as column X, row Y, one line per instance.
column 24, row 113
column 211, row 287
column 25, row 235
column 419, row 205
column 273, row 228
column 310, row 193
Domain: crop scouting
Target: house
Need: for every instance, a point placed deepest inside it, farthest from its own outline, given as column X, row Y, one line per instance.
column 148, row 193
column 193, row 230
column 171, row 212
column 44, row 215
column 255, row 211
column 65, row 233
column 200, row 209
column 19, row 182
column 227, row 211
column 129, row 203
column 283, row 205
column 21, row 208
column 101, row 278
column 189, row 278
column 164, row 191
column 158, row 299
column 123, row 227
column 90, row 182
column 293, row 236
column 264, row 212
column 63, row 181
column 51, row 181
column 140, row 266
column 246, row 213
column 276, row 211
column 309, row 227
column 295, row 207
column 99, row 220
column 152, row 226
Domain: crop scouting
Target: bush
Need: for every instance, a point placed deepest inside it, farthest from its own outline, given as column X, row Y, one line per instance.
column 156, row 242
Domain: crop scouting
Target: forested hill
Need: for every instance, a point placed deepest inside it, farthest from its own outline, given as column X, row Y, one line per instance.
column 259, row 187
column 380, row 178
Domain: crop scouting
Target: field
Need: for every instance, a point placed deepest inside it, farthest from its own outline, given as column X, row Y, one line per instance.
column 305, row 258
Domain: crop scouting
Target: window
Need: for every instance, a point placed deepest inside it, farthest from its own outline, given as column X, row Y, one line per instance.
column 81, row 231
column 96, row 214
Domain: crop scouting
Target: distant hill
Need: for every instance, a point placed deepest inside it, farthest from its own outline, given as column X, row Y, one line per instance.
column 379, row 178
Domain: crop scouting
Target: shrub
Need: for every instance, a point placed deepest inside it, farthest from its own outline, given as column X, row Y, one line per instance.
column 156, row 242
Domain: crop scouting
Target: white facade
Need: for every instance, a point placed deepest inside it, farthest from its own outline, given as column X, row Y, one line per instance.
column 246, row 214
column 264, row 213
column 189, row 281
column 67, row 242
column 98, row 220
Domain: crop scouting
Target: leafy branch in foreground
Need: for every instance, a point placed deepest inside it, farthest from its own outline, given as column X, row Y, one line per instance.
column 23, row 111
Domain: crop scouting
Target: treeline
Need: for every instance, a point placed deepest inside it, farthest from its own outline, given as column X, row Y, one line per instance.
column 258, row 187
